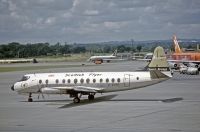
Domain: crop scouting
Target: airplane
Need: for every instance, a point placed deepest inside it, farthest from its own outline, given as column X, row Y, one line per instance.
column 148, row 58
column 77, row 84
column 18, row 61
column 184, row 57
column 190, row 70
column 190, row 59
column 101, row 59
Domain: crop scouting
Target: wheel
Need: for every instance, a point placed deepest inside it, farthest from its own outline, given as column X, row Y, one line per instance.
column 30, row 100
column 90, row 97
column 76, row 100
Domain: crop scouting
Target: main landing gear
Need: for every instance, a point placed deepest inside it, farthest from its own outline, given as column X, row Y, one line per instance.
column 30, row 97
column 90, row 97
column 77, row 99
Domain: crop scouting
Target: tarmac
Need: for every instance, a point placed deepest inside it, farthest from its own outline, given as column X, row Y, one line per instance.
column 170, row 106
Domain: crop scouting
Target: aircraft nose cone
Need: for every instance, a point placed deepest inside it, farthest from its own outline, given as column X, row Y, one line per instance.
column 12, row 87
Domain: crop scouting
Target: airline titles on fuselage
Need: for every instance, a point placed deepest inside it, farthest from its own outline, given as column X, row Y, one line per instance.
column 81, row 74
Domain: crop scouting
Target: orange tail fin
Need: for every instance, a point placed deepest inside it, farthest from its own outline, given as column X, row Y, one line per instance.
column 176, row 45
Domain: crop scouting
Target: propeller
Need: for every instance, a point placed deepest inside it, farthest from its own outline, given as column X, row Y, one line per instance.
column 40, row 92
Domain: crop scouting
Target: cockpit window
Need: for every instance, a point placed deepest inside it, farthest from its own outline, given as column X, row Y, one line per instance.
column 24, row 78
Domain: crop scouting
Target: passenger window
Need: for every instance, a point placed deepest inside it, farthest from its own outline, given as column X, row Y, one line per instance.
column 47, row 81
column 101, row 80
column 75, row 81
column 88, row 80
column 82, row 80
column 40, row 81
column 113, row 80
column 63, row 81
column 118, row 80
column 107, row 80
column 69, row 81
column 57, row 81
column 94, row 80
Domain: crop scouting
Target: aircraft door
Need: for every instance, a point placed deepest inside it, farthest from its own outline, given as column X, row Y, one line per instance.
column 126, row 80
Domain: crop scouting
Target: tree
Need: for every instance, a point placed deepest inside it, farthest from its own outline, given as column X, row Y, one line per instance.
column 65, row 49
column 79, row 50
column 106, row 49
column 189, row 46
column 121, row 48
column 139, row 48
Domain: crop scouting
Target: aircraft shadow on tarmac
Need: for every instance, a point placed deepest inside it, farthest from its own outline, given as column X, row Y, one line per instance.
column 107, row 98
column 86, row 101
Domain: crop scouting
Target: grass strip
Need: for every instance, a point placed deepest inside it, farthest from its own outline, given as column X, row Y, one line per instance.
column 11, row 69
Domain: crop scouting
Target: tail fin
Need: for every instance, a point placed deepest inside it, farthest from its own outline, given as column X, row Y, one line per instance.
column 114, row 53
column 176, row 45
column 159, row 60
column 159, row 63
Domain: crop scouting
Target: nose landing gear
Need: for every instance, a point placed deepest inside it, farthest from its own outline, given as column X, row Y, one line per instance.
column 30, row 97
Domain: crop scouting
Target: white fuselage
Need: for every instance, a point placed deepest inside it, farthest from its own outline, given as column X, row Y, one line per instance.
column 93, row 58
column 189, row 70
column 107, row 81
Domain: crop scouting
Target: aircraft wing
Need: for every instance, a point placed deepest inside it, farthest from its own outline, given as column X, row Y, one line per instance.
column 87, row 89
column 184, row 61
column 80, row 89
column 170, row 60
column 114, row 59
column 143, row 59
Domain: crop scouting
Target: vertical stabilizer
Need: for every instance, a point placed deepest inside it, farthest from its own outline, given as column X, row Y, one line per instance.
column 159, row 60
column 159, row 67
column 114, row 53
column 176, row 45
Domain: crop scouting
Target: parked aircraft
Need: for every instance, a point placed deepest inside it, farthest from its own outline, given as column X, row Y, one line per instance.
column 18, row 61
column 77, row 84
column 184, row 57
column 189, row 59
column 106, row 58
column 148, row 58
column 183, row 69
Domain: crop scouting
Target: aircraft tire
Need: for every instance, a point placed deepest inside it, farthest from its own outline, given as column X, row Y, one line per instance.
column 76, row 100
column 90, row 97
column 30, row 100
column 197, row 73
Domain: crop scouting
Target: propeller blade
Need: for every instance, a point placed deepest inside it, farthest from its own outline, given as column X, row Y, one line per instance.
column 42, row 96
column 39, row 96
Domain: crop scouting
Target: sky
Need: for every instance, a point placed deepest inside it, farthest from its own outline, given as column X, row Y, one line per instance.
column 88, row 21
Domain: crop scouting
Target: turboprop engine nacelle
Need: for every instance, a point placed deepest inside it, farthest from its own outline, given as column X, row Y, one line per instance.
column 193, row 65
column 173, row 65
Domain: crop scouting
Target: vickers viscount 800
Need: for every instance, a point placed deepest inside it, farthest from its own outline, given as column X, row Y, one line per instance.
column 77, row 84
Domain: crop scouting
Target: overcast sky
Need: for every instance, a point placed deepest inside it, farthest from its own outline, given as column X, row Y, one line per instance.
column 97, row 20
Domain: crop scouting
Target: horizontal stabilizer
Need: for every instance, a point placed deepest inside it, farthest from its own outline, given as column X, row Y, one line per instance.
column 156, row 74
